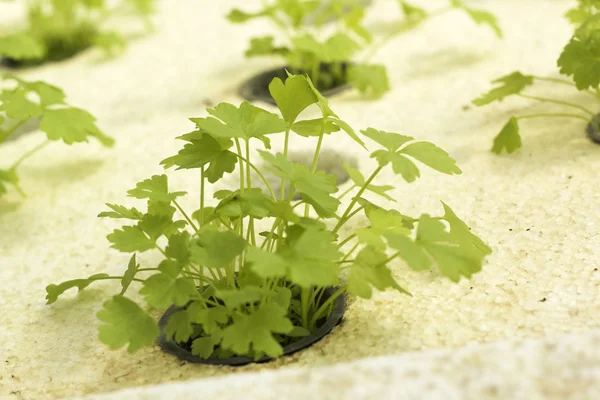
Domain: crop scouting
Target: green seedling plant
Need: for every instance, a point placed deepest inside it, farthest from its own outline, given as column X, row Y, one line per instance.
column 579, row 60
column 331, row 59
column 59, row 29
column 250, row 269
column 22, row 101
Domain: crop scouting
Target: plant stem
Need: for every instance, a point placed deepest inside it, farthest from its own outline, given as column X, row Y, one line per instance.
column 564, row 103
column 201, row 218
column 12, row 130
column 341, row 196
column 566, row 82
column 285, row 153
column 186, row 216
column 316, row 161
column 349, row 238
column 321, row 310
column 262, row 177
column 552, row 115
column 305, row 300
column 29, row 154
column 355, row 199
column 249, row 181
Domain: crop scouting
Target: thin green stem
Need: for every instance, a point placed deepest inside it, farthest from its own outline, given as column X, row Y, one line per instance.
column 262, row 177
column 11, row 130
column 351, row 188
column 249, row 181
column 116, row 277
column 325, row 306
column 305, row 302
column 355, row 199
column 239, row 150
column 315, row 161
column 348, row 254
column 285, row 153
column 187, row 218
column 564, row 103
column 201, row 217
column 349, row 238
column 29, row 154
column 566, row 82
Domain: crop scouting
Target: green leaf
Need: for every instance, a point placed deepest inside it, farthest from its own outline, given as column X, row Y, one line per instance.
column 432, row 156
column 369, row 269
column 157, row 225
column 292, row 97
column 126, row 322
column 204, row 346
column 266, row 264
column 238, row 16
column 581, row 60
column 480, row 16
column 382, row 223
column 411, row 11
column 210, row 318
column 129, row 239
column 508, row 139
column 16, row 104
column 255, row 331
column 162, row 290
column 128, row 276
column 238, row 297
column 338, row 48
column 369, row 79
column 314, row 127
column 316, row 188
column 179, row 327
column 391, row 141
column 411, row 252
column 353, row 21
column 206, row 150
column 72, row 125
column 359, row 180
column 249, row 202
column 462, row 233
column 264, row 46
column 21, row 46
column 179, row 247
column 121, row 212
column 216, row 249
column 112, row 43
column 400, row 164
column 155, row 188
column 10, row 177
column 54, row 291
column 48, row 94
column 511, row 84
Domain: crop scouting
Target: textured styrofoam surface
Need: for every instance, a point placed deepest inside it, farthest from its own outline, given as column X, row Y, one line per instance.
column 538, row 209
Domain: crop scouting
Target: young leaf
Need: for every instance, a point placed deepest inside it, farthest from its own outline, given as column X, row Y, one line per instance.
column 155, row 188
column 316, row 188
column 54, row 291
column 391, row 141
column 129, row 239
column 126, row 322
column 162, row 290
column 400, row 164
column 128, row 276
column 292, row 97
column 72, row 125
column 179, row 327
column 206, row 150
column 411, row 11
column 211, row 318
column 237, row 297
column 369, row 79
column 480, row 16
column 462, row 232
column 250, row 202
column 121, row 212
column 432, row 156
column 508, row 139
column 382, row 222
column 581, row 60
column 204, row 346
column 338, row 48
column 513, row 83
column 353, row 21
column 369, row 269
column 256, row 331
column 179, row 247
column 314, row 127
column 264, row 46
column 216, row 249
column 16, row 104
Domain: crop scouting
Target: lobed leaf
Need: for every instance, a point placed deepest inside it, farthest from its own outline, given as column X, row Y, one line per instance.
column 54, row 291
column 511, row 84
column 508, row 139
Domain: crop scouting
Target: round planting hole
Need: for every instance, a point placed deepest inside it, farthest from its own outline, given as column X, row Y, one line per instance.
column 333, row 81
column 183, row 351
column 593, row 129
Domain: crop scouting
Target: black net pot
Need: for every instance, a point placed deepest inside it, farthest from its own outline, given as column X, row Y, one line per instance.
column 171, row 347
column 257, row 87
column 593, row 129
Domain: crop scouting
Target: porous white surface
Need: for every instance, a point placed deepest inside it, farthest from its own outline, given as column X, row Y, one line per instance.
column 537, row 209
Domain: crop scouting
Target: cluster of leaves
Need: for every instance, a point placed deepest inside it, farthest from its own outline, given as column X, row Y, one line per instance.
column 245, row 292
column 330, row 61
column 58, row 29
column 22, row 101
column 579, row 60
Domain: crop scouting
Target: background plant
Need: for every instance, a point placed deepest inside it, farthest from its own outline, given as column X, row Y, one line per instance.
column 579, row 60
column 250, row 270
column 22, row 101
column 330, row 59
column 58, row 29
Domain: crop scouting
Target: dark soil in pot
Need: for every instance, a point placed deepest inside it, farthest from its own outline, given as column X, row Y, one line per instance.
column 183, row 350
column 257, row 87
column 593, row 129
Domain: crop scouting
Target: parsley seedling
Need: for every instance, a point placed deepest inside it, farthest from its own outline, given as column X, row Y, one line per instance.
column 248, row 291
column 23, row 101
column 333, row 60
column 580, row 60
column 59, row 29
